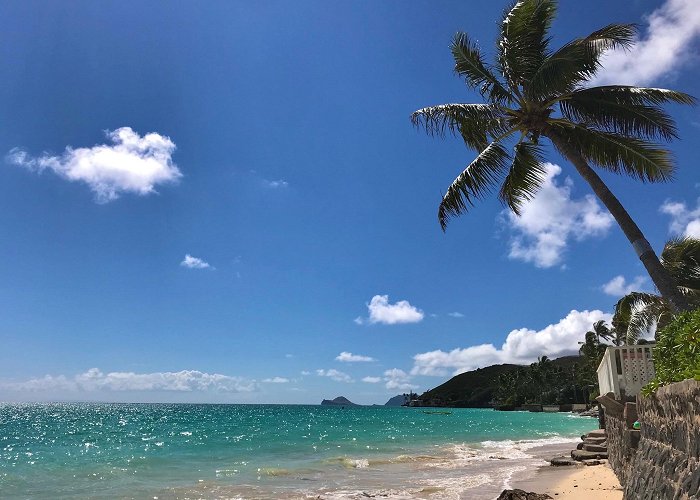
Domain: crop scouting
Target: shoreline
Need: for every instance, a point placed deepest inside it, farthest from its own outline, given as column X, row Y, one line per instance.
column 576, row 482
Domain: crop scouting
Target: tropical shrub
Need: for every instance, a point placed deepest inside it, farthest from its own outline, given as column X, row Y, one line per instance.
column 677, row 351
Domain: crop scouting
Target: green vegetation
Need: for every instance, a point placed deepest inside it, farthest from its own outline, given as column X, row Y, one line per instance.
column 557, row 381
column 677, row 351
column 562, row 381
column 533, row 91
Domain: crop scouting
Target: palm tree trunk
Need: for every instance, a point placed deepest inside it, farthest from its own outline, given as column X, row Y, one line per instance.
column 661, row 278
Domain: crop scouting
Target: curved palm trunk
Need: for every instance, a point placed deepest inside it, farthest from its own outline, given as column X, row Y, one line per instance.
column 661, row 278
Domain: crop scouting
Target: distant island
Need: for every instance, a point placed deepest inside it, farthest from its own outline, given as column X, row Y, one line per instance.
column 399, row 400
column 339, row 401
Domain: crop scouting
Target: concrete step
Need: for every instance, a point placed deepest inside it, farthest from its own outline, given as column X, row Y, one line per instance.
column 596, row 433
column 595, row 447
column 585, row 455
column 595, row 440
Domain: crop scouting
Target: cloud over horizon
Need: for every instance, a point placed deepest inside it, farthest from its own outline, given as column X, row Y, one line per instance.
column 552, row 219
column 665, row 45
column 95, row 380
column 131, row 164
column 381, row 311
column 334, row 374
column 521, row 346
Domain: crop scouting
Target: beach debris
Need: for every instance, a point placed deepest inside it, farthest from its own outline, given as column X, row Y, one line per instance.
column 521, row 495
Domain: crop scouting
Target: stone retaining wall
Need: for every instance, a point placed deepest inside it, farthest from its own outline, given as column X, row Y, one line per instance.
column 667, row 462
column 662, row 460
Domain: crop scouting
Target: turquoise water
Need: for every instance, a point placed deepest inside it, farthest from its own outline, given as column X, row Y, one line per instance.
column 264, row 451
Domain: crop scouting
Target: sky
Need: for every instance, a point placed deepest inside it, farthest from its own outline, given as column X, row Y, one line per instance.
column 227, row 202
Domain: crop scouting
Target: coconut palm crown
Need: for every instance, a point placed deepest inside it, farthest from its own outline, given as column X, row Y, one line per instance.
column 639, row 312
column 533, row 92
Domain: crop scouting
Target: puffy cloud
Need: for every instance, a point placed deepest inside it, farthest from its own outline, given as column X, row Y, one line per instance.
column 131, row 164
column 684, row 221
column 521, row 346
column 349, row 357
column 336, row 375
column 95, row 380
column 381, row 311
column 665, row 45
column 398, row 380
column 194, row 263
column 550, row 220
column 372, row 380
column 276, row 380
column 618, row 286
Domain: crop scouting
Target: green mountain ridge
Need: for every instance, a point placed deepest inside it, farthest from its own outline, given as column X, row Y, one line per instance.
column 477, row 388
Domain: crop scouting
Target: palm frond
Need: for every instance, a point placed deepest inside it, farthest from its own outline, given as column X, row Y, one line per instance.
column 627, row 94
column 525, row 177
column 473, row 122
column 627, row 119
column 647, row 314
column 577, row 61
column 470, row 65
column 474, row 182
column 618, row 153
column 625, row 309
column 523, row 41
column 681, row 258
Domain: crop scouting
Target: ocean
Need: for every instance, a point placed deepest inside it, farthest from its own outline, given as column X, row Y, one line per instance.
column 159, row 451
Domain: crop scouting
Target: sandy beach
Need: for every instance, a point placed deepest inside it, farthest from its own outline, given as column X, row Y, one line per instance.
column 574, row 483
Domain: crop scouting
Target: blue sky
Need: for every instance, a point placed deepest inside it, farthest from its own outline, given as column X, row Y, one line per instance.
column 227, row 201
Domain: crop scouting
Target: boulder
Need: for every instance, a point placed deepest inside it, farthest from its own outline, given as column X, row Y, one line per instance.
column 521, row 495
column 592, row 461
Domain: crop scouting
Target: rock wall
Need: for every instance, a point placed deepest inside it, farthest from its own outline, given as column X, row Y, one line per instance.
column 667, row 462
column 662, row 460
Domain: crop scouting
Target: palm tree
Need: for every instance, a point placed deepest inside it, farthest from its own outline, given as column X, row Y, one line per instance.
column 638, row 312
column 604, row 332
column 532, row 91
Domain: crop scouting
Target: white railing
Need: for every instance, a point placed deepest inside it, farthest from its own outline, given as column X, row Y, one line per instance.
column 625, row 370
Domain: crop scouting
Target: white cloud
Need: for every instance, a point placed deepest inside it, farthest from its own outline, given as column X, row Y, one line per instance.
column 194, row 263
column 95, row 380
column 398, row 380
column 276, row 380
column 349, row 357
column 666, row 44
column 131, row 164
column 618, row 286
column 276, row 184
column 684, row 222
column 372, row 380
column 520, row 347
column 380, row 311
column 455, row 314
column 336, row 375
column 550, row 220
column 305, row 372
